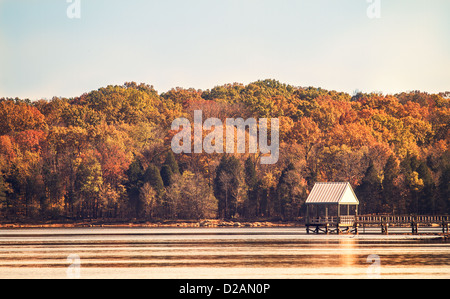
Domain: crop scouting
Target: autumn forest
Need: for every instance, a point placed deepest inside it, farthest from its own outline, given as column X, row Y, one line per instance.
column 106, row 155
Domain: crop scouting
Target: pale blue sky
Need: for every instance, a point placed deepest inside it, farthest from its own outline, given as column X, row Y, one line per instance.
column 203, row 43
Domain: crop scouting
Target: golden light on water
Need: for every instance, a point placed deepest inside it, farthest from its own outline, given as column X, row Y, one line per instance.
column 347, row 246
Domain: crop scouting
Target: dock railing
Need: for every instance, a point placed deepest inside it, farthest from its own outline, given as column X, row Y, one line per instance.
column 347, row 220
column 332, row 220
column 323, row 220
column 401, row 219
column 379, row 219
column 340, row 224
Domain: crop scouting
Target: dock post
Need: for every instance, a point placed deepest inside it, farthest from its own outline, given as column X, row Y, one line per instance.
column 414, row 228
column 355, row 228
column 384, row 228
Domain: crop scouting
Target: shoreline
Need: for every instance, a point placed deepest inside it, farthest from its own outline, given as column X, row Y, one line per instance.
column 212, row 223
column 208, row 223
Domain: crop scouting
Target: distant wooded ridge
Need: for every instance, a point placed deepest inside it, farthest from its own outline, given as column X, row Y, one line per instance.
column 106, row 154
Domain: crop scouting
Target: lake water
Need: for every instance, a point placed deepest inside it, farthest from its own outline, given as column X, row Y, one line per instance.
column 226, row 253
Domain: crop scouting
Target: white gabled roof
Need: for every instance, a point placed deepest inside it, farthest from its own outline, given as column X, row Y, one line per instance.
column 329, row 193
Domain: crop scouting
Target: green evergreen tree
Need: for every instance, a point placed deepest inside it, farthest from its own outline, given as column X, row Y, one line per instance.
column 443, row 188
column 226, row 186
column 414, row 183
column 443, row 205
column 172, row 162
column 135, row 174
column 290, row 193
column 390, row 189
column 369, row 192
column 3, row 199
column 153, row 176
column 166, row 175
column 427, row 198
column 251, row 179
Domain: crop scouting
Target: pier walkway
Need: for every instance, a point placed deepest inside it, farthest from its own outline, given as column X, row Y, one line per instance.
column 351, row 224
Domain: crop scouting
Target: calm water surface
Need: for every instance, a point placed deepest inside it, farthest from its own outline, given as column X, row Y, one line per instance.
column 217, row 253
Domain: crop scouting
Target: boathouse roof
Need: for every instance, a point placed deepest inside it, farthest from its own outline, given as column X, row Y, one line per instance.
column 332, row 193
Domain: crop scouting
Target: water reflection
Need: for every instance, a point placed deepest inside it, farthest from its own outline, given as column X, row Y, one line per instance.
column 216, row 253
column 348, row 256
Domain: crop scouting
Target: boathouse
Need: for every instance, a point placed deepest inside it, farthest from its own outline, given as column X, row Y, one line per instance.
column 332, row 208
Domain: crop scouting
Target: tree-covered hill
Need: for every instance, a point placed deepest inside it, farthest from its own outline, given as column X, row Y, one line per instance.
column 106, row 154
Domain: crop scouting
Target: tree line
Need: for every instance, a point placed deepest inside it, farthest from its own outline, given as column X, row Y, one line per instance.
column 106, row 154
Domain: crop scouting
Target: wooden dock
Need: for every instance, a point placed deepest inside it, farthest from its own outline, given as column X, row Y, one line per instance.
column 332, row 224
column 351, row 224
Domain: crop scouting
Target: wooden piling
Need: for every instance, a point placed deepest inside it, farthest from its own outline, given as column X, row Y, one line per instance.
column 414, row 227
column 384, row 228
